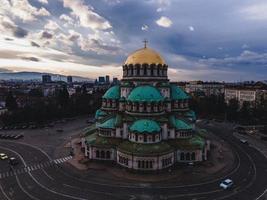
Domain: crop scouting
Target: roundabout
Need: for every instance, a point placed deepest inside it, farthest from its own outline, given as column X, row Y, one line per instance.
column 61, row 181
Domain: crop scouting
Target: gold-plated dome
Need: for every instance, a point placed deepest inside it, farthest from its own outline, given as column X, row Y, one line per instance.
column 144, row 55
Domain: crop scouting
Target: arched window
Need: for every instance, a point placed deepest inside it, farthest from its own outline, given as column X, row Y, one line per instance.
column 102, row 154
column 150, row 164
column 193, row 156
column 182, row 156
column 187, row 157
column 139, row 164
column 147, row 164
column 97, row 153
column 108, row 154
column 145, row 138
column 143, row 164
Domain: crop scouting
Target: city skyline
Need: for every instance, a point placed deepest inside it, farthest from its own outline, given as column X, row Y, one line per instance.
column 92, row 38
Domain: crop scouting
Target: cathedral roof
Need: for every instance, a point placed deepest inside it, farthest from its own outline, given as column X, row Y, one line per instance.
column 112, row 93
column 144, row 56
column 145, row 93
column 177, row 93
column 100, row 113
column 179, row 124
column 145, row 126
column 110, row 123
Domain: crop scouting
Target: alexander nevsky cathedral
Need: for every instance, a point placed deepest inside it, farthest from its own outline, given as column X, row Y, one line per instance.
column 145, row 122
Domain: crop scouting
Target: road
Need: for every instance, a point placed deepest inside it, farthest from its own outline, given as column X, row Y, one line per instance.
column 39, row 177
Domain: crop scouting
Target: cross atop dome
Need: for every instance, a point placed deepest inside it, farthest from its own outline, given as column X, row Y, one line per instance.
column 145, row 43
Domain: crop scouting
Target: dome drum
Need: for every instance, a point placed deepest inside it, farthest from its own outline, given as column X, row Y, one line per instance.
column 145, row 108
column 145, row 70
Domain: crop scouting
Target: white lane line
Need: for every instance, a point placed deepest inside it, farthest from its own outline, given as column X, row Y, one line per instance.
column 265, row 191
column 27, row 193
column 2, row 190
column 38, row 183
column 48, row 175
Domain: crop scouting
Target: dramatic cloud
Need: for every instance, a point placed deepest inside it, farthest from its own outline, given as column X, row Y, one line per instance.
column 164, row 22
column 51, row 25
column 88, row 38
column 22, row 9
column 46, row 35
column 86, row 15
column 7, row 25
column 34, row 44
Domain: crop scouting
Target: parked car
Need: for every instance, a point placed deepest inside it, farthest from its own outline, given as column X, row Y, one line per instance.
column 18, row 136
column 226, row 184
column 243, row 141
column 3, row 156
column 13, row 161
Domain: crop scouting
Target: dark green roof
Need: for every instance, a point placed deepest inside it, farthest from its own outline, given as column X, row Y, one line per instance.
column 110, row 123
column 104, row 142
column 145, row 149
column 145, row 93
column 179, row 124
column 145, row 126
column 112, row 93
column 177, row 93
column 196, row 142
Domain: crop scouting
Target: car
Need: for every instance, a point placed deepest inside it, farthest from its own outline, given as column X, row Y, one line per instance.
column 60, row 130
column 3, row 156
column 243, row 141
column 226, row 184
column 18, row 136
column 13, row 161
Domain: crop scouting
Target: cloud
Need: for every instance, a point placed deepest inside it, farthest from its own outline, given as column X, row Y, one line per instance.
column 51, row 25
column 34, row 44
column 67, row 19
column 7, row 25
column 164, row 22
column 191, row 28
column 97, row 46
column 255, row 11
column 46, row 35
column 43, row 1
column 34, row 59
column 86, row 15
column 144, row 27
column 22, row 9
column 162, row 5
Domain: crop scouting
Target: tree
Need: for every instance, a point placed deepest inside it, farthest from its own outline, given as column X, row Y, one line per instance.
column 232, row 110
column 11, row 102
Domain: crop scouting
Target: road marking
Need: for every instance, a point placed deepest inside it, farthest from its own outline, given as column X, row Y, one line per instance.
column 34, row 167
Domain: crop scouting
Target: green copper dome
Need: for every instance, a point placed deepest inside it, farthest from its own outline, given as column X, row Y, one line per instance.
column 110, row 123
column 177, row 93
column 112, row 93
column 145, row 126
column 179, row 124
column 100, row 113
column 145, row 93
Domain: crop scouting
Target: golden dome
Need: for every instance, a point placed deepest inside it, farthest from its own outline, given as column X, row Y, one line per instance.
column 144, row 55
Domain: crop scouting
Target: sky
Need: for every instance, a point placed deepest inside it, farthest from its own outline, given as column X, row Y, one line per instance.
column 199, row 39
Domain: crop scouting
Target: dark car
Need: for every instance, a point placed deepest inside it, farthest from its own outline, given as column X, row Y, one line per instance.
column 13, row 161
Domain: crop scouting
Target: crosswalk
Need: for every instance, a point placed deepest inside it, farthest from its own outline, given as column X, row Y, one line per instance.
column 34, row 167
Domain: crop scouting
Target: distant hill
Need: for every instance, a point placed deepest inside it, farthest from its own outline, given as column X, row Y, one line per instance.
column 26, row 76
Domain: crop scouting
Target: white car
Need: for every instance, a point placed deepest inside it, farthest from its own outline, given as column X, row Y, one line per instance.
column 3, row 156
column 226, row 184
